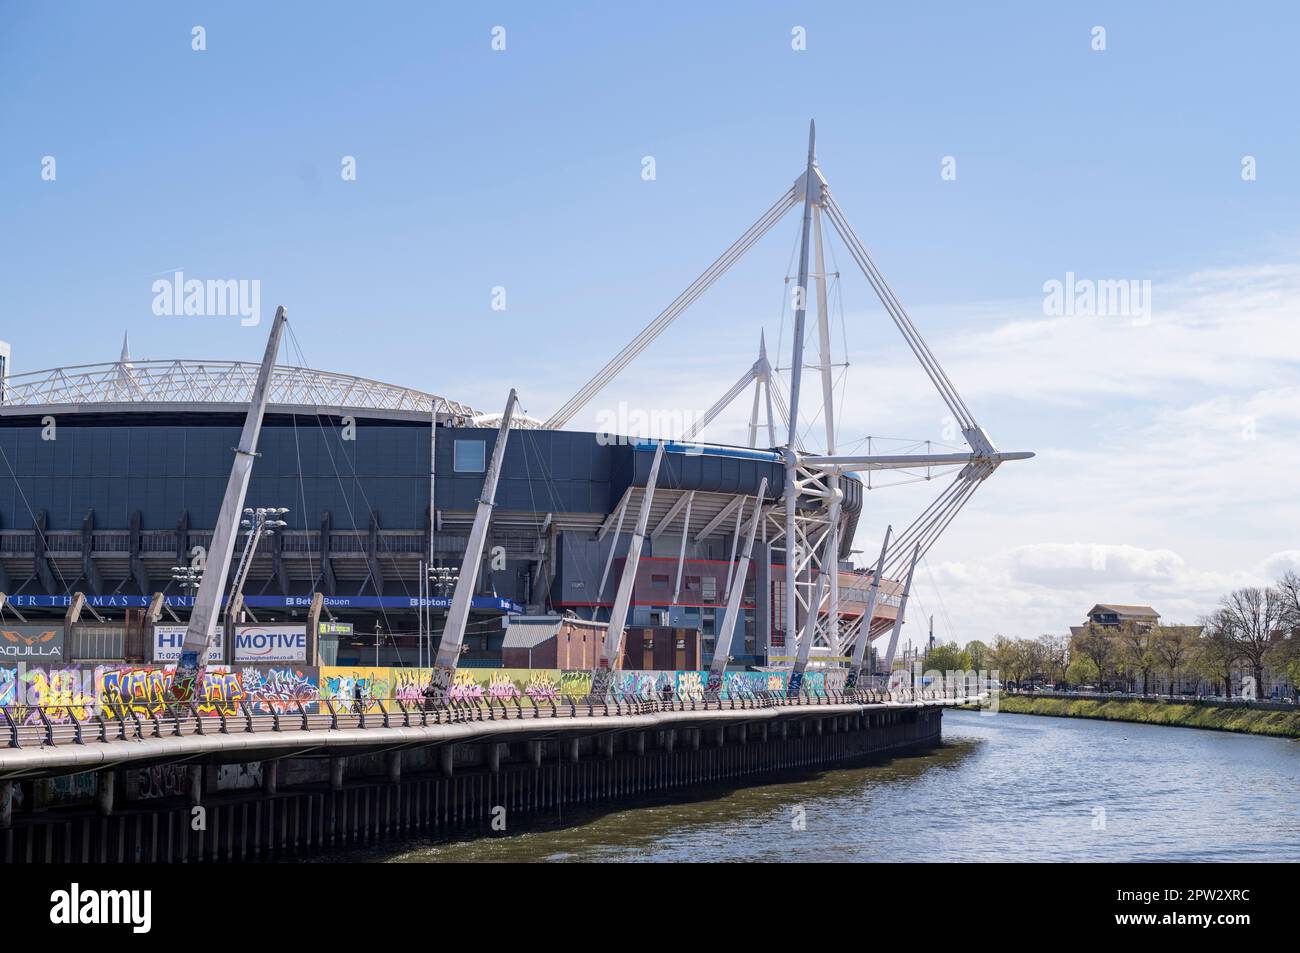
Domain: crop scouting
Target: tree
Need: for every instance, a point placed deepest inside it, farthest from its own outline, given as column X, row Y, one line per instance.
column 1008, row 658
column 1215, row 652
column 1135, row 654
column 1097, row 645
column 1056, row 656
column 1171, row 644
column 1034, row 659
column 1288, row 589
column 1081, row 671
column 1284, row 657
column 947, row 658
column 1251, row 617
column 979, row 655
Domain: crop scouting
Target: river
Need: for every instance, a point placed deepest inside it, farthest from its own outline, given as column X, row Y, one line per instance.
column 1001, row 787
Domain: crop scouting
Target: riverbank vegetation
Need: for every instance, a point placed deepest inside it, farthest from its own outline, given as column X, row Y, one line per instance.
column 1158, row 712
column 1249, row 646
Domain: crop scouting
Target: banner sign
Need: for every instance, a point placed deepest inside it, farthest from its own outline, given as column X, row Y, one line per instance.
column 270, row 643
column 480, row 603
column 32, row 643
column 167, row 641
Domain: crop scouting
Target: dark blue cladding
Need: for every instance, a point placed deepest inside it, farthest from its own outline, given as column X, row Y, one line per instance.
column 163, row 465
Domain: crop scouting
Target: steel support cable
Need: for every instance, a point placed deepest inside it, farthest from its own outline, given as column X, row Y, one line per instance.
column 899, row 314
column 782, row 410
column 905, row 539
column 928, row 532
column 920, row 532
column 895, row 308
column 674, row 310
column 936, row 529
column 356, row 480
column 903, row 323
column 45, row 541
column 722, row 404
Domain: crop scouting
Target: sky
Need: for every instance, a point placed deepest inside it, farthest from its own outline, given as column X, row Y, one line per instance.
column 981, row 152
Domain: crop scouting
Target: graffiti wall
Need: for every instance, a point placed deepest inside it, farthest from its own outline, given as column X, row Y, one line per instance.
column 65, row 692
column 276, row 688
column 346, row 685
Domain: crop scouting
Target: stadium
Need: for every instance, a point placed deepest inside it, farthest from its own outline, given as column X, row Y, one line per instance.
column 368, row 503
column 113, row 475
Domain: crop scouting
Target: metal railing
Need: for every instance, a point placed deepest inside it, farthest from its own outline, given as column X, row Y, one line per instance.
column 123, row 721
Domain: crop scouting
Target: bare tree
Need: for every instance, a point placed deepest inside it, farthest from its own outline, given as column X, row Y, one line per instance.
column 1135, row 641
column 1056, row 655
column 1252, row 617
column 1215, row 653
column 1288, row 590
column 1171, row 646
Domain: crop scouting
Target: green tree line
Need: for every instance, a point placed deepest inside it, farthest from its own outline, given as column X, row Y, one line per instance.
column 1254, row 632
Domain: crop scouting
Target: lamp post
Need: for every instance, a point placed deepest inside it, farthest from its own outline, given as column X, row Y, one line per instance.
column 259, row 522
column 442, row 580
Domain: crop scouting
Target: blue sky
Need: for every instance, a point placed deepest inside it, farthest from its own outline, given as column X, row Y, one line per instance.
column 522, row 169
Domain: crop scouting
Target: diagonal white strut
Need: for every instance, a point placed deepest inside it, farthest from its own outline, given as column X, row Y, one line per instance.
column 864, row 639
column 453, row 632
column 902, row 611
column 734, row 618
column 612, row 649
column 207, row 602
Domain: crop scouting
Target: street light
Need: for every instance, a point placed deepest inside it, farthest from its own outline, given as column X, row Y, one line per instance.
column 430, row 579
column 259, row 522
column 187, row 577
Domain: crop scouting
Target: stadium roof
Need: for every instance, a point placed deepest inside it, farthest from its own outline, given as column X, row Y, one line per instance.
column 208, row 386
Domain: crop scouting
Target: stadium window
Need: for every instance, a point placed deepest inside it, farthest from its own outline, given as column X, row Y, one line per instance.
column 468, row 456
column 658, row 581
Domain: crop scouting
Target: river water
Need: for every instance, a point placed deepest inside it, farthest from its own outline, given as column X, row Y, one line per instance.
column 1001, row 787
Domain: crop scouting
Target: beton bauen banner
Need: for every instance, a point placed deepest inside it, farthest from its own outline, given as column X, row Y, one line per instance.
column 271, row 643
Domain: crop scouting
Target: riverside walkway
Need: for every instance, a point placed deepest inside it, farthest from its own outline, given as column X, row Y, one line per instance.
column 179, row 785
column 117, row 737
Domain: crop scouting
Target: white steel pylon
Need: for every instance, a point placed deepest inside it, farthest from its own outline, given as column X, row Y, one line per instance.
column 812, row 531
column 760, row 374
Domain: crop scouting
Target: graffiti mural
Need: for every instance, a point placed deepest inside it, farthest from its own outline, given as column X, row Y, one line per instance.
column 60, row 692
column 542, row 686
column 575, row 683
column 691, row 684
column 8, row 687
column 348, row 686
column 67, row 789
column 146, row 691
column 161, row 780
column 64, row 692
column 280, row 689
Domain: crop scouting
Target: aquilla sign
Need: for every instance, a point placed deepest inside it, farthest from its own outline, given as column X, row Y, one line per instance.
column 32, row 643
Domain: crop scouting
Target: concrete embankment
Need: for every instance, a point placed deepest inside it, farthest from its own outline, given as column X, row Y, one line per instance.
column 1252, row 721
column 282, row 795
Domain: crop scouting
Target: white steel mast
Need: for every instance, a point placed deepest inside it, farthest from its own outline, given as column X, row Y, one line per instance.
column 207, row 602
column 734, row 618
column 612, row 649
column 453, row 632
